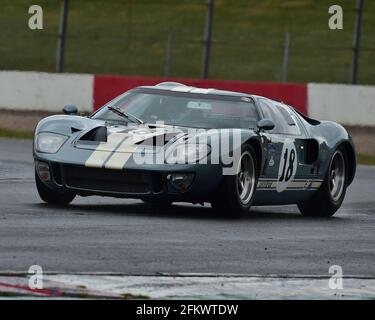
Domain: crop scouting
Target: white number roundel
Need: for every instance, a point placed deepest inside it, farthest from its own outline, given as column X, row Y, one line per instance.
column 287, row 165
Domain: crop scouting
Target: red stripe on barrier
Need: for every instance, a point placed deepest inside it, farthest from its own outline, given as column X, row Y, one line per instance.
column 295, row 94
column 47, row 292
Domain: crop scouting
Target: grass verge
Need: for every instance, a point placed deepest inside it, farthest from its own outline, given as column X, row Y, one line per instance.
column 130, row 37
column 7, row 133
column 366, row 159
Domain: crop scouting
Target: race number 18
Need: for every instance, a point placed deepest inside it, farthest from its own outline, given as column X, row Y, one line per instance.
column 287, row 166
column 286, row 176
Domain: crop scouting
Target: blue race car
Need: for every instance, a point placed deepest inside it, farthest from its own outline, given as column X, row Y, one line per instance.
column 173, row 143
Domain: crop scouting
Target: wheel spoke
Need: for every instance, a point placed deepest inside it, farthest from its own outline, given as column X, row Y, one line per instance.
column 246, row 178
column 337, row 176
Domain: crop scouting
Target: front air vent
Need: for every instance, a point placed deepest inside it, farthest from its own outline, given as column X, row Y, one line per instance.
column 97, row 134
column 56, row 173
column 74, row 130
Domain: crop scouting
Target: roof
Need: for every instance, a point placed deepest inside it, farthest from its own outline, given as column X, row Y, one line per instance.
column 175, row 86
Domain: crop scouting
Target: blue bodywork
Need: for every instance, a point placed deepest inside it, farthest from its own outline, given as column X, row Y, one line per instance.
column 314, row 145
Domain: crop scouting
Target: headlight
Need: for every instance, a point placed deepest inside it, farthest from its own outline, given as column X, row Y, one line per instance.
column 49, row 142
column 187, row 153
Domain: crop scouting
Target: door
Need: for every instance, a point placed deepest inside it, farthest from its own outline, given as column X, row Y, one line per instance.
column 284, row 145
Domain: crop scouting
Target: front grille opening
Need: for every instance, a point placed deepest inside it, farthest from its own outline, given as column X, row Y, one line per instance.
column 56, row 173
column 157, row 182
column 98, row 179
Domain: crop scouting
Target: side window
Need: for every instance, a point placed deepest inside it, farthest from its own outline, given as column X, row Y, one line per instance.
column 281, row 116
column 292, row 127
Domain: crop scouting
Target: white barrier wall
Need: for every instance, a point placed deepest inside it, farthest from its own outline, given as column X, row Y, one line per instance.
column 45, row 91
column 346, row 104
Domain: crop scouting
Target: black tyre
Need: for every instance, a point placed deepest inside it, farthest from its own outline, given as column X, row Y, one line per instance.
column 236, row 193
column 50, row 196
column 331, row 193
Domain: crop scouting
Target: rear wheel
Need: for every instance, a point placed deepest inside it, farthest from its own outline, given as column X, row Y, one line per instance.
column 235, row 195
column 53, row 197
column 330, row 196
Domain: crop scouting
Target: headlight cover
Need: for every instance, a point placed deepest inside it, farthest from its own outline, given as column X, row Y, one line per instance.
column 187, row 153
column 48, row 142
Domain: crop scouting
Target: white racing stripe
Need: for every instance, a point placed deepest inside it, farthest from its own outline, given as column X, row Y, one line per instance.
column 121, row 155
column 99, row 157
column 119, row 147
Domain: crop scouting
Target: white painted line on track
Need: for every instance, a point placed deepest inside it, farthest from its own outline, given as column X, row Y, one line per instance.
column 191, row 286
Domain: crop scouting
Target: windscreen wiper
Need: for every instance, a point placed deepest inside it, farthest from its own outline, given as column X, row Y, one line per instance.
column 126, row 115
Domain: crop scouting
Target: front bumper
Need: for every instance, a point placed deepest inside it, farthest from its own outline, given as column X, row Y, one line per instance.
column 135, row 181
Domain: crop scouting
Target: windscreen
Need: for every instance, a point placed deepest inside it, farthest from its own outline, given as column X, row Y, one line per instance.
column 184, row 109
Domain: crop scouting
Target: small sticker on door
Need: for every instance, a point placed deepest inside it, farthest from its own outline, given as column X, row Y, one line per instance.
column 287, row 165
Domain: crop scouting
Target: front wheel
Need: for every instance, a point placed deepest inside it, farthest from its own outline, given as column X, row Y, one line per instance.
column 330, row 196
column 50, row 196
column 236, row 193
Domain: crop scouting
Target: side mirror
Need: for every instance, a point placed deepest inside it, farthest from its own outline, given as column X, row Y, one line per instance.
column 70, row 109
column 265, row 124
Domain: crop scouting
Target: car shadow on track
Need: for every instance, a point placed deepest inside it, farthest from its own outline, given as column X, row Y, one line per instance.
column 182, row 211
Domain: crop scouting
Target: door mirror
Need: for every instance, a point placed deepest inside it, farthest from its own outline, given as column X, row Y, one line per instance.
column 265, row 124
column 70, row 109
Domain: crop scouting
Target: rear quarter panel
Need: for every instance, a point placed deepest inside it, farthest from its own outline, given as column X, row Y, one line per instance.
column 330, row 135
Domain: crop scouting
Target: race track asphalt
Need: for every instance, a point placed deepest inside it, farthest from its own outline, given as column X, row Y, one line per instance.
column 125, row 236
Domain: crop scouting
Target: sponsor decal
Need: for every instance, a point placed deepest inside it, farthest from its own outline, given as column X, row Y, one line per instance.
column 271, row 163
column 294, row 185
column 271, row 149
column 271, row 152
column 265, row 184
column 199, row 105
column 308, row 184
